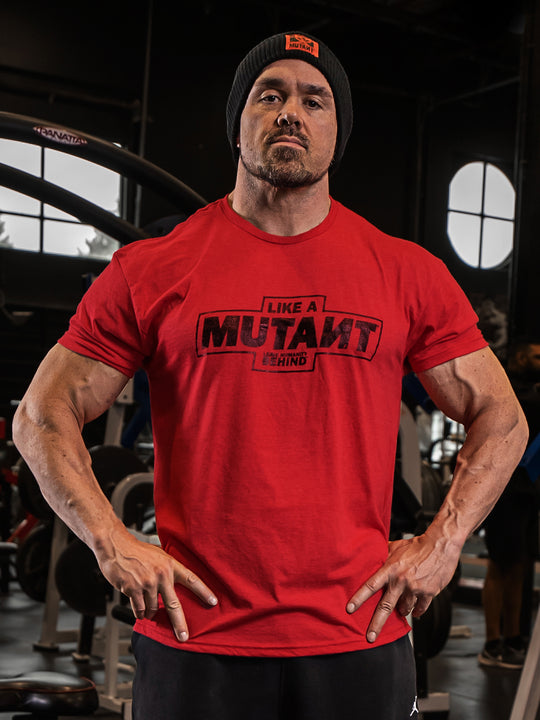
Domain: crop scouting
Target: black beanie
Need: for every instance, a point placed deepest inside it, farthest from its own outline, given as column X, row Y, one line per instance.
column 296, row 46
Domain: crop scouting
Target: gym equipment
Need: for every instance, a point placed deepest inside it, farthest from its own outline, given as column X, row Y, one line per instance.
column 33, row 560
column 115, row 695
column 80, row 208
column 433, row 490
column 87, row 595
column 74, row 142
column 79, row 580
column 30, row 495
column 46, row 694
column 112, row 463
column 7, row 552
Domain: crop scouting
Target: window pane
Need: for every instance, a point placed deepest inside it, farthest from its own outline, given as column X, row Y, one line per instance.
column 466, row 189
column 497, row 242
column 500, row 195
column 63, row 238
column 20, row 233
column 20, row 155
column 12, row 201
column 96, row 184
column 464, row 234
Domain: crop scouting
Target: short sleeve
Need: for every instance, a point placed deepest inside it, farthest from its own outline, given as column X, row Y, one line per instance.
column 445, row 325
column 104, row 326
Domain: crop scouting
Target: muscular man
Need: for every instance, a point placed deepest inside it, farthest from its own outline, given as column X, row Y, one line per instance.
column 275, row 327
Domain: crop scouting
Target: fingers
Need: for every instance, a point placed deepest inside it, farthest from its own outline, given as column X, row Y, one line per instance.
column 397, row 596
column 189, row 580
column 370, row 587
column 149, row 572
column 422, row 605
column 406, row 604
column 385, row 607
column 175, row 613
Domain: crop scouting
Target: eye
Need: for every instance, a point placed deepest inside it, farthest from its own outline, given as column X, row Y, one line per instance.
column 270, row 98
column 313, row 104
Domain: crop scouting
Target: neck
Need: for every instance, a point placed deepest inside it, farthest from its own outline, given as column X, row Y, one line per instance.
column 280, row 211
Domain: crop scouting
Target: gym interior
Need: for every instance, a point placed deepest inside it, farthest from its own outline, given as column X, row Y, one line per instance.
column 112, row 128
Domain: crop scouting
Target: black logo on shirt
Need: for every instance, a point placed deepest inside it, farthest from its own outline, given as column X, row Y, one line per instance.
column 288, row 333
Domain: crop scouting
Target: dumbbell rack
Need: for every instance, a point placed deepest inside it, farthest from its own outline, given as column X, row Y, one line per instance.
column 51, row 636
column 113, row 694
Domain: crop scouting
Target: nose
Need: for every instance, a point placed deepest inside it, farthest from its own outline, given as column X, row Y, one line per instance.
column 287, row 118
column 289, row 114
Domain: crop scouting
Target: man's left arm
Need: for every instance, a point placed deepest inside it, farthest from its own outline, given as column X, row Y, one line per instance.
column 475, row 391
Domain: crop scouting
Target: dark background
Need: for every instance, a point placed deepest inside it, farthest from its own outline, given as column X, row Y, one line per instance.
column 436, row 83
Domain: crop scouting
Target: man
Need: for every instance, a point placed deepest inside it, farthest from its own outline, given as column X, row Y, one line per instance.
column 512, row 532
column 275, row 327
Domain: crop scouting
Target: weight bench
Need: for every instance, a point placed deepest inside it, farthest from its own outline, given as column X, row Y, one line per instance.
column 44, row 694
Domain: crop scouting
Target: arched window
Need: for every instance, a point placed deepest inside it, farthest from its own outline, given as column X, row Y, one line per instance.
column 480, row 222
column 29, row 224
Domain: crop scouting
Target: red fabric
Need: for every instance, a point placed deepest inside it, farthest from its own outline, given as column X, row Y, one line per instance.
column 275, row 368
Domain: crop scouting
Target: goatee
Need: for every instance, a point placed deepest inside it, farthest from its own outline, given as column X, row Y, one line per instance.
column 284, row 169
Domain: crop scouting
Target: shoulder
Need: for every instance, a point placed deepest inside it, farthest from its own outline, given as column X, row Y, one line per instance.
column 385, row 246
column 176, row 240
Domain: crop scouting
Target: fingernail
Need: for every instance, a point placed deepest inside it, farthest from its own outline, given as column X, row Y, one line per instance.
column 371, row 636
column 212, row 600
column 351, row 607
column 183, row 636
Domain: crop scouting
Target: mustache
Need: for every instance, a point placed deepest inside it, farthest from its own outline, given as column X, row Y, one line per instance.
column 287, row 132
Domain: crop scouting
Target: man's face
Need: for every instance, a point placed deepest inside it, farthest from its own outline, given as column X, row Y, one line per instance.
column 531, row 359
column 288, row 127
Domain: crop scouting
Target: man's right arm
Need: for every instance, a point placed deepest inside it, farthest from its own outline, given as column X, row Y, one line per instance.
column 67, row 391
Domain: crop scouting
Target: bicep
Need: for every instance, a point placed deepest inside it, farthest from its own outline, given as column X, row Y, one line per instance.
column 466, row 386
column 66, row 382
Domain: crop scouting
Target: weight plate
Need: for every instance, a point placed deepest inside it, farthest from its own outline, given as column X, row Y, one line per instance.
column 32, row 562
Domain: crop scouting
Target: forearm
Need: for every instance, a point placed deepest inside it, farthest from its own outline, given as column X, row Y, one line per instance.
column 51, row 443
column 495, row 442
column 68, row 391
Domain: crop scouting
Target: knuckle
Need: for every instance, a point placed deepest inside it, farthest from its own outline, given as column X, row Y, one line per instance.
column 149, row 586
column 371, row 585
column 173, row 604
column 385, row 607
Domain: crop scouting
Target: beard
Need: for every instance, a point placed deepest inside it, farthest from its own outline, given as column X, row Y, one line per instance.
column 283, row 167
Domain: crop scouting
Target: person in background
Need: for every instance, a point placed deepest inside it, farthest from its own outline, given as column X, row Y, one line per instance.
column 275, row 327
column 511, row 531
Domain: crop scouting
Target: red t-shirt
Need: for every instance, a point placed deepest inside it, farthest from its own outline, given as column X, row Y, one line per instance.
column 275, row 367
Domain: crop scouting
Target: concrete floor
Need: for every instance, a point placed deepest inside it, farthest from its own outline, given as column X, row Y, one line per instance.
column 475, row 693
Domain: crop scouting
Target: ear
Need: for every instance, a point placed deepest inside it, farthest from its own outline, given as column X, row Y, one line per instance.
column 521, row 358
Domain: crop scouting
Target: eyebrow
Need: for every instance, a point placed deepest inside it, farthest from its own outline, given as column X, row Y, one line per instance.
column 308, row 88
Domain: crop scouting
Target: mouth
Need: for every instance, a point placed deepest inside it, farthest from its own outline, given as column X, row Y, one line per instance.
column 288, row 140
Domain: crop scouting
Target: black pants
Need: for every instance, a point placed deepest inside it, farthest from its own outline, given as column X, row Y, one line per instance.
column 374, row 684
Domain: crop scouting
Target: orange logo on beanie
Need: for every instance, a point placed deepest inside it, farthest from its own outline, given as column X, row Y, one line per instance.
column 301, row 42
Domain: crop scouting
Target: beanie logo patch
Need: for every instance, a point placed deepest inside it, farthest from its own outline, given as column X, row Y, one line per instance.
column 301, row 42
